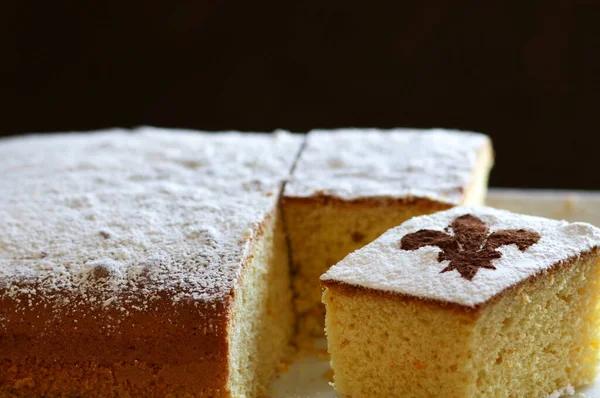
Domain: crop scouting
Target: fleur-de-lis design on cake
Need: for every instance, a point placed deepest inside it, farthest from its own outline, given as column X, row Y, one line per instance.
column 470, row 247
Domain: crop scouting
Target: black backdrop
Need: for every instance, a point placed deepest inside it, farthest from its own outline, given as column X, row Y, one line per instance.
column 525, row 72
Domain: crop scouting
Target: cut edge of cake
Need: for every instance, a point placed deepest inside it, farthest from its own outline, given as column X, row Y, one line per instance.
column 326, row 224
column 261, row 321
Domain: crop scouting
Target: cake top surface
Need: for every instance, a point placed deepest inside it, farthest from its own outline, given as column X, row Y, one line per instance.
column 148, row 210
column 357, row 163
column 465, row 255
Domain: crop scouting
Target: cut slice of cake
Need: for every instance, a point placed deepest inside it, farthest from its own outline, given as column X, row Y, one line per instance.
column 145, row 263
column 351, row 185
column 469, row 302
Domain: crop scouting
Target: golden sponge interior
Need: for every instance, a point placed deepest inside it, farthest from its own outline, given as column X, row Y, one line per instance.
column 263, row 319
column 542, row 336
column 536, row 338
column 323, row 232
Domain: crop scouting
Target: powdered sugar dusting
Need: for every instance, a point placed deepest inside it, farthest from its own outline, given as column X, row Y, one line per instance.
column 568, row 390
column 355, row 163
column 148, row 210
column 382, row 265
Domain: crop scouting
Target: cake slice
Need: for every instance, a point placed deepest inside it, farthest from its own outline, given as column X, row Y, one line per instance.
column 351, row 185
column 144, row 263
column 469, row 302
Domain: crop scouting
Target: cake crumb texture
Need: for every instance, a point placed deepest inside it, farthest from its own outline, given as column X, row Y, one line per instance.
column 534, row 339
column 263, row 320
column 351, row 185
column 323, row 232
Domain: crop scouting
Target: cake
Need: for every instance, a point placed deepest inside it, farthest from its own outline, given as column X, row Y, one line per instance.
column 471, row 301
column 155, row 262
column 144, row 263
column 351, row 185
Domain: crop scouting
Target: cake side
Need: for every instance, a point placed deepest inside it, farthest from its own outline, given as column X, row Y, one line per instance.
column 383, row 344
column 544, row 330
column 135, row 240
column 261, row 321
column 164, row 349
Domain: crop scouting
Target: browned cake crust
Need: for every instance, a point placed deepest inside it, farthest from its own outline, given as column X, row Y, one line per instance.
column 168, row 350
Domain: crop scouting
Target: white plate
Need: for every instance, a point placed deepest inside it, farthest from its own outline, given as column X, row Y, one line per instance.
column 308, row 376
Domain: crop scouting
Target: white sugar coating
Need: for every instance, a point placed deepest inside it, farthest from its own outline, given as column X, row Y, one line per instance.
column 382, row 265
column 568, row 390
column 356, row 163
column 151, row 209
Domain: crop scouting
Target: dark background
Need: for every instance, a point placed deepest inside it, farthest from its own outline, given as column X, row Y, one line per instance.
column 525, row 72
